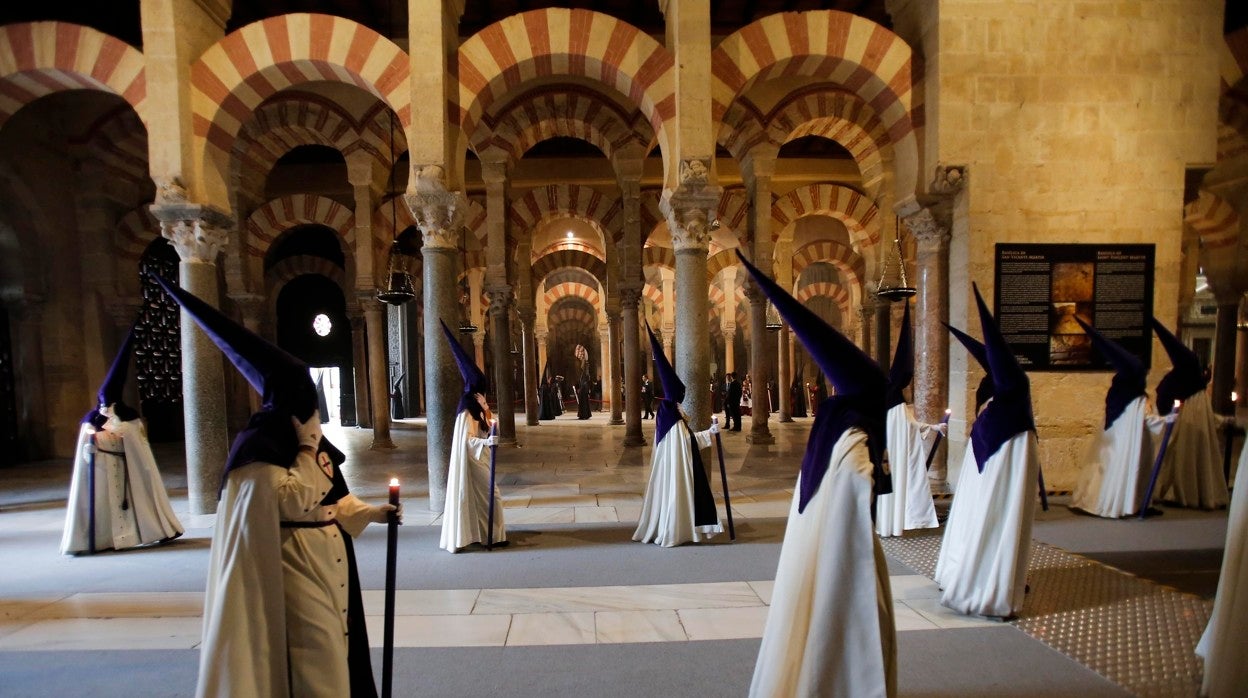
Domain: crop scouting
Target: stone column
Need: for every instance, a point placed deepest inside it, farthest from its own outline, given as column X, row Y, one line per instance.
column 531, row 407
column 359, row 355
column 500, row 346
column 613, row 360
column 540, row 336
column 199, row 233
column 630, row 299
column 378, row 374
column 759, row 167
column 760, row 433
column 730, row 360
column 931, row 341
column 865, row 313
column 689, row 210
column 785, row 379
column 1224, row 351
column 438, row 213
column 604, row 363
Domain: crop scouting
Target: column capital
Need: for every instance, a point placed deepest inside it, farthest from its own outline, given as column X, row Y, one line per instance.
column 500, row 296
column 689, row 210
column 926, row 229
column 439, row 213
column 753, row 293
column 198, row 232
column 630, row 297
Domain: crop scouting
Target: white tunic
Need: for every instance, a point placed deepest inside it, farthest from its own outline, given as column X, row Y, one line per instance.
column 667, row 514
column 984, row 556
column 1226, row 636
column 1119, row 465
column 1191, row 471
column 830, row 628
column 131, row 506
column 910, row 504
column 466, row 518
column 275, row 609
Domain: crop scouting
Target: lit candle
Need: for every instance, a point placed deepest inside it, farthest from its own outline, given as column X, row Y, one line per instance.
column 394, row 491
column 1234, row 396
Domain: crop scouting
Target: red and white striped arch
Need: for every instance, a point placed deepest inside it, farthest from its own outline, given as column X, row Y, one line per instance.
column 826, row 289
column 849, row 206
column 571, row 310
column 658, row 256
column 40, row 58
column 1216, row 223
column 134, row 232
column 653, row 293
column 840, row 256
column 279, row 215
column 118, row 142
column 283, row 124
column 733, row 205
column 544, row 204
column 292, row 268
column 863, row 57
column 568, row 111
column 572, row 289
column 238, row 73
column 560, row 259
column 651, row 215
column 558, row 41
column 1233, row 104
column 839, row 116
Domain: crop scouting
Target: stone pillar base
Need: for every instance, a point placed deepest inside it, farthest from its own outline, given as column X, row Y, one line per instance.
column 616, row 421
column 760, row 438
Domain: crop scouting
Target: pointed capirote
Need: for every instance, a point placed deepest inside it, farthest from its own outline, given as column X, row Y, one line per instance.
column 1130, row 373
column 901, row 371
column 474, row 378
column 673, row 386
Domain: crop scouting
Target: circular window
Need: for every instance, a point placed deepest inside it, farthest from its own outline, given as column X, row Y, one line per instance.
column 322, row 325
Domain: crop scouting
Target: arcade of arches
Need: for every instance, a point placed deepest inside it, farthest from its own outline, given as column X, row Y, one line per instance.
column 562, row 177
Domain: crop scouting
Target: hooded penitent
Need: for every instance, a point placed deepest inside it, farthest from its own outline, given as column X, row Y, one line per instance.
column 1185, row 378
column 1009, row 413
column 860, row 388
column 110, row 392
column 1129, row 373
column 901, row 372
column 474, row 379
column 285, row 386
column 667, row 413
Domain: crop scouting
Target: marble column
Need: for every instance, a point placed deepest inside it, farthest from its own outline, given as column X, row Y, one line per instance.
column 439, row 214
column 604, row 364
column 689, row 210
column 760, row 433
column 613, row 384
column 541, row 335
column 630, row 299
column 730, row 359
column 865, row 313
column 531, row 407
column 500, row 346
column 359, row 354
column 931, row 340
column 199, row 233
column 378, row 373
column 1224, row 350
column 785, row 379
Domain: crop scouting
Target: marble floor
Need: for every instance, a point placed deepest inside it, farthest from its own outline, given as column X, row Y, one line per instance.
column 568, row 480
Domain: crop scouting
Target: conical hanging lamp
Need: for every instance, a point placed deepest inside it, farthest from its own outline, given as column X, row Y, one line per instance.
column 399, row 288
column 894, row 287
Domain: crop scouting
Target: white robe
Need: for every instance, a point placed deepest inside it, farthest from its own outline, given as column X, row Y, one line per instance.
column 1191, row 471
column 466, row 518
column 983, row 561
column 275, row 608
column 667, row 516
column 132, row 481
column 910, row 504
column 1226, row 636
column 830, row 629
column 1119, row 465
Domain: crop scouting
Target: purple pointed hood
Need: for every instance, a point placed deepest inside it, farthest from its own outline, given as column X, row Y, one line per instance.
column 283, row 381
column 1009, row 413
column 1130, row 373
column 474, row 378
column 110, row 392
column 1185, row 378
column 901, row 371
column 859, row 382
column 983, row 393
column 667, row 409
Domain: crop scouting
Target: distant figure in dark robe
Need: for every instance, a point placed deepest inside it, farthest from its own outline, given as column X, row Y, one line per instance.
column 546, row 396
column 584, row 409
column 797, row 396
column 647, row 397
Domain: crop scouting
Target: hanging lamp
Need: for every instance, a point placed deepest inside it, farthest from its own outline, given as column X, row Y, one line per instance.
column 399, row 289
column 895, row 288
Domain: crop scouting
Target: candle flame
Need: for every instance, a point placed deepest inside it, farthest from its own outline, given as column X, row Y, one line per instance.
column 1176, row 404
column 948, row 411
column 1234, row 396
column 394, row 482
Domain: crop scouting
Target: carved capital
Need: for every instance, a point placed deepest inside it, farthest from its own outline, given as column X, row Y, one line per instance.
column 500, row 296
column 949, row 179
column 689, row 213
column 197, row 232
column 630, row 298
column 926, row 229
column 528, row 316
column 438, row 212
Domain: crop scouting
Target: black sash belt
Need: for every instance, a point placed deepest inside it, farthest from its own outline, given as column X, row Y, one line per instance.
column 309, row 524
column 119, row 454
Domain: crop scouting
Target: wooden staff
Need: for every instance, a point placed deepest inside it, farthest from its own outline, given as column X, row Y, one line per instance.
column 489, row 534
column 1230, row 439
column 723, row 477
column 392, row 539
column 91, row 448
column 1161, row 453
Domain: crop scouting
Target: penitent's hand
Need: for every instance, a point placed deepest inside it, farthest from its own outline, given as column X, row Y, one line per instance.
column 942, row 429
column 309, row 432
column 381, row 513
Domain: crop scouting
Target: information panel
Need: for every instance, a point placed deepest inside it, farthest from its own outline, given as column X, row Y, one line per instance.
column 1042, row 288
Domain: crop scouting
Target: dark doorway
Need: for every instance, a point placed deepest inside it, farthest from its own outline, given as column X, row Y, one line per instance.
column 312, row 324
